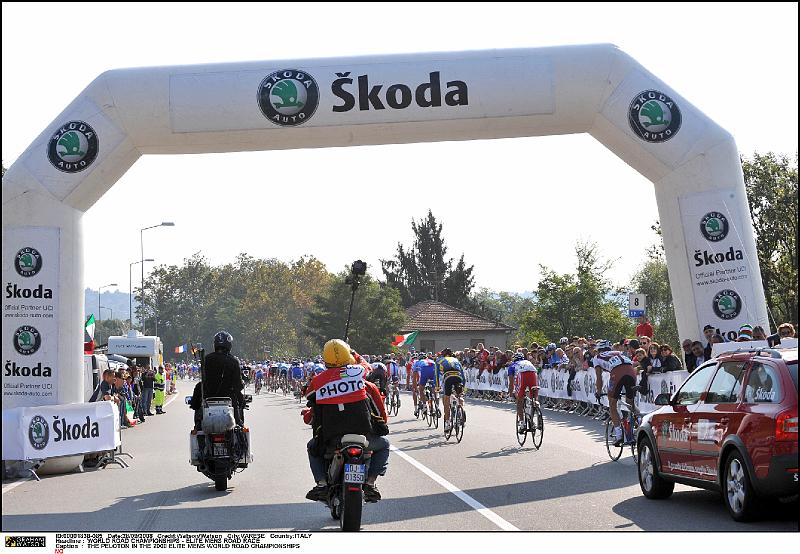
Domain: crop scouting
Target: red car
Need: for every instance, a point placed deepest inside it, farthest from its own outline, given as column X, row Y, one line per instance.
column 730, row 427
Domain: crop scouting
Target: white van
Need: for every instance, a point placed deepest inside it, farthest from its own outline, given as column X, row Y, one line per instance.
column 144, row 351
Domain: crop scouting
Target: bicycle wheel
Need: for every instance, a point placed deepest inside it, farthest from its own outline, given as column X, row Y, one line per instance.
column 428, row 415
column 537, row 432
column 459, row 424
column 449, row 432
column 614, row 452
column 521, row 437
column 435, row 416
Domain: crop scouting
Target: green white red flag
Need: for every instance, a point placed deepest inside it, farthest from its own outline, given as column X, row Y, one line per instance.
column 402, row 340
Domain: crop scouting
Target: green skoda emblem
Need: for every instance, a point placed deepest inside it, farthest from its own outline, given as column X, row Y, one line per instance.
column 727, row 304
column 27, row 340
column 654, row 116
column 288, row 97
column 714, row 226
column 38, row 432
column 73, row 147
column 28, row 262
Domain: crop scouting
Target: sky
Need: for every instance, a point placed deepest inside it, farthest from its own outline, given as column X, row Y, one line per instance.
column 508, row 205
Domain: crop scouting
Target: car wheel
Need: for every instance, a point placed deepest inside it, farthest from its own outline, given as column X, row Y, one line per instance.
column 740, row 498
column 652, row 484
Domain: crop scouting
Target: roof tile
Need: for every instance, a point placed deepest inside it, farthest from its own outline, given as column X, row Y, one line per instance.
column 437, row 316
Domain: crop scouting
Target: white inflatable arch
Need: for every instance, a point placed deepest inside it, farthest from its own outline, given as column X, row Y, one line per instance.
column 123, row 114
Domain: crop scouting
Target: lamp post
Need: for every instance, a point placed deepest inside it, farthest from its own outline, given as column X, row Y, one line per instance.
column 141, row 244
column 99, row 316
column 112, row 318
column 130, row 288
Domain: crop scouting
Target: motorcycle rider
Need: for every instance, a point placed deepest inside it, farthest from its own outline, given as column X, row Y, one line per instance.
column 334, row 413
column 223, row 378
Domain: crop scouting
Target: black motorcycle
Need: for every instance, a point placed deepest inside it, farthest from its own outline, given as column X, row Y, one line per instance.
column 346, row 473
column 221, row 447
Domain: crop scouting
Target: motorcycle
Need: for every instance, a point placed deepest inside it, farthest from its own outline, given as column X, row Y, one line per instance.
column 221, row 446
column 346, row 472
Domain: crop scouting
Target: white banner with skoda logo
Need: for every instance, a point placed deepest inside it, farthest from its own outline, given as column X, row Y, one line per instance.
column 720, row 265
column 358, row 93
column 30, row 316
column 62, row 430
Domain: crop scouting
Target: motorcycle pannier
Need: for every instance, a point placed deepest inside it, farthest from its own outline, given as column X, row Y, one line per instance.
column 218, row 416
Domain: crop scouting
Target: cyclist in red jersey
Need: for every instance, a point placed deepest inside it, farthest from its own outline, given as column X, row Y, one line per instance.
column 623, row 376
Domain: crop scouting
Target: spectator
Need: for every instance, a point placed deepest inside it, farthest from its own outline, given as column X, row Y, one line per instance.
column 653, row 363
column 717, row 339
column 785, row 331
column 758, row 333
column 633, row 346
column 120, row 386
column 688, row 357
column 104, row 387
column 148, row 381
column 561, row 357
column 640, row 358
column 699, row 355
column 669, row 361
column 644, row 342
column 745, row 333
column 708, row 332
column 136, row 397
column 644, row 329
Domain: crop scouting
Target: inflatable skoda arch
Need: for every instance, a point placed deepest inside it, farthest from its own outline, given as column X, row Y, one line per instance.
column 123, row 114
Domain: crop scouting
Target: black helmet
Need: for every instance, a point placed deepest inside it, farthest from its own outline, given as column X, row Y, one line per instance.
column 223, row 341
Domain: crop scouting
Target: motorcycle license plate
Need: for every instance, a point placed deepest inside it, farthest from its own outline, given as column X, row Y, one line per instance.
column 354, row 473
column 220, row 449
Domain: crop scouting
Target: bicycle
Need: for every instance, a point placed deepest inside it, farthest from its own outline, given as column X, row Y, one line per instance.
column 258, row 386
column 532, row 419
column 392, row 399
column 630, row 419
column 456, row 419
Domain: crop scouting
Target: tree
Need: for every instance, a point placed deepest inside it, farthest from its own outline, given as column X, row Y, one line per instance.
column 377, row 315
column 424, row 272
column 575, row 304
column 108, row 327
column 771, row 183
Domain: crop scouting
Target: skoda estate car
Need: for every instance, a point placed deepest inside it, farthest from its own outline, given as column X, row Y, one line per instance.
column 730, row 427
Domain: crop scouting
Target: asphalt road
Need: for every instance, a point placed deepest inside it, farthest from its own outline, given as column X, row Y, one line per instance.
column 486, row 483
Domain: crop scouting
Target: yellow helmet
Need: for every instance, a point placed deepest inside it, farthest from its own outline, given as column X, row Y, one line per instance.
column 336, row 353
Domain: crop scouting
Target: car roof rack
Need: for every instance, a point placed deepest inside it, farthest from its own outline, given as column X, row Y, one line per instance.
column 759, row 351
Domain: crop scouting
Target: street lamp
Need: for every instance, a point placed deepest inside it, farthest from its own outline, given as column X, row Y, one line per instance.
column 112, row 318
column 141, row 243
column 99, row 316
column 130, row 288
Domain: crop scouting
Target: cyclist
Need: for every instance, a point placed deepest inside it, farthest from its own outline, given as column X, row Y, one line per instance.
column 284, row 374
column 424, row 371
column 452, row 374
column 526, row 379
column 623, row 376
column 393, row 370
column 318, row 368
column 259, row 377
column 297, row 374
column 379, row 376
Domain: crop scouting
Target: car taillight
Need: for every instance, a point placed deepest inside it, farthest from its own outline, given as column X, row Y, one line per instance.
column 786, row 427
column 218, row 438
column 354, row 451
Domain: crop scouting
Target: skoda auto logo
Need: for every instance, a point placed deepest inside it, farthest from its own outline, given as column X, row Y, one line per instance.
column 27, row 340
column 727, row 304
column 38, row 432
column 654, row 116
column 714, row 226
column 73, row 147
column 288, row 97
column 28, row 262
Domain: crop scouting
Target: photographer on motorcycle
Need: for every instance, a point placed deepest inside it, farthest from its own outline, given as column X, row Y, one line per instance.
column 223, row 378
column 342, row 401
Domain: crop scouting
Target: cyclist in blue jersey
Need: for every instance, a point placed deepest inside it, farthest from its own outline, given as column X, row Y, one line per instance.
column 426, row 370
column 394, row 370
column 318, row 368
column 259, row 377
column 451, row 374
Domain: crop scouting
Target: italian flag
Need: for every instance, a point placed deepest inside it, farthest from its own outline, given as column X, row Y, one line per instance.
column 402, row 340
column 88, row 335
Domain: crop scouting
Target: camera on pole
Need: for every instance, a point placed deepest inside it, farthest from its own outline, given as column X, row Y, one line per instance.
column 357, row 270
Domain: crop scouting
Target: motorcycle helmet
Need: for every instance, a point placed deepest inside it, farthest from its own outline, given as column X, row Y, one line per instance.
column 603, row 346
column 336, row 353
column 223, row 341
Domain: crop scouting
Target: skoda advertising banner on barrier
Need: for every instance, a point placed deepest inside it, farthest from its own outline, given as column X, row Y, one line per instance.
column 44, row 432
column 30, row 316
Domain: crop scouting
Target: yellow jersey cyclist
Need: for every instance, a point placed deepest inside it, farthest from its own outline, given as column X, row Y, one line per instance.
column 450, row 372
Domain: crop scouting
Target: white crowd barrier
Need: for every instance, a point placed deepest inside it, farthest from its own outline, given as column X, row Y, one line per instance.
column 553, row 384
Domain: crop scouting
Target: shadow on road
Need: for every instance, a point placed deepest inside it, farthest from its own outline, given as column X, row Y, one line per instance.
column 701, row 510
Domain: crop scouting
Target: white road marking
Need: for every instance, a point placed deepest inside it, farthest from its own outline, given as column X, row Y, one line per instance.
column 467, row 499
column 14, row 485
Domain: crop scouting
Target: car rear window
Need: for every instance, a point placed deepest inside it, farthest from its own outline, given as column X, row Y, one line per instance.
column 793, row 372
column 763, row 385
